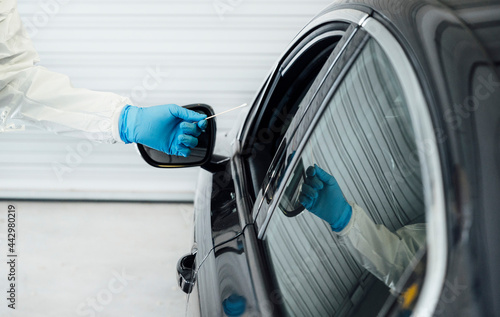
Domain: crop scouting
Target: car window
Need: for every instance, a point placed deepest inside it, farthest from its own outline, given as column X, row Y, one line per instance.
column 361, row 156
column 286, row 91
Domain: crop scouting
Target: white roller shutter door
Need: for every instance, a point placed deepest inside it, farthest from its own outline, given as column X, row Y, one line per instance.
column 212, row 51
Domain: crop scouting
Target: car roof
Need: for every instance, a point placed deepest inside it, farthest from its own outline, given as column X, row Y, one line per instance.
column 482, row 17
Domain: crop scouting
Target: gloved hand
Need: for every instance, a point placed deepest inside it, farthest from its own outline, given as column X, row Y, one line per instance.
column 167, row 128
column 321, row 195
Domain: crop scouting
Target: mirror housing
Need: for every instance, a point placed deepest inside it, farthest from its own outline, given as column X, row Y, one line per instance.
column 200, row 155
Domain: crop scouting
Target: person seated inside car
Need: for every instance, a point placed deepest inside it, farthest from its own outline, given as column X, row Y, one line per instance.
column 383, row 253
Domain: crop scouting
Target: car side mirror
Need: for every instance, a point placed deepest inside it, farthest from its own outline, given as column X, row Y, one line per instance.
column 200, row 155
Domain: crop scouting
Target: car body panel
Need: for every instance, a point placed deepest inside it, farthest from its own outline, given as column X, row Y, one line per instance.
column 226, row 252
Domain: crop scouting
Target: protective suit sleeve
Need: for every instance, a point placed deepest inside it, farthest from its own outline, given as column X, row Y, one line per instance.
column 383, row 253
column 35, row 96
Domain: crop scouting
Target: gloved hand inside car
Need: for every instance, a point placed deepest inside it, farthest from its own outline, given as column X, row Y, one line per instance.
column 321, row 195
column 167, row 128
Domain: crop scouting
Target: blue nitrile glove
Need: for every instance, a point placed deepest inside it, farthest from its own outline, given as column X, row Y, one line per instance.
column 167, row 128
column 321, row 195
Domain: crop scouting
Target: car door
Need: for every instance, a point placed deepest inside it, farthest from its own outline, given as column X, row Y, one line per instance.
column 228, row 262
column 365, row 126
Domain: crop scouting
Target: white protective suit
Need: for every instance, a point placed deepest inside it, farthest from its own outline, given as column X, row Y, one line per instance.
column 35, row 96
column 383, row 253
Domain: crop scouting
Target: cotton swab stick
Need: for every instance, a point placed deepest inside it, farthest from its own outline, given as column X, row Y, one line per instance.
column 215, row 115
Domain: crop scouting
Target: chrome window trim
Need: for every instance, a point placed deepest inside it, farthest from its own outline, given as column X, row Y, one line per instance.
column 342, row 15
column 430, row 164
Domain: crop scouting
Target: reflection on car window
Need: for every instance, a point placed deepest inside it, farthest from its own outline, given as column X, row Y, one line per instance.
column 359, row 184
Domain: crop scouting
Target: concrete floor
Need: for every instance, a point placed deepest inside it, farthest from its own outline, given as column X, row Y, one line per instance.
column 96, row 259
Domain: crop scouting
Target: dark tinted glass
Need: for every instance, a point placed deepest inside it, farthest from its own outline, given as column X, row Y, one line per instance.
column 365, row 141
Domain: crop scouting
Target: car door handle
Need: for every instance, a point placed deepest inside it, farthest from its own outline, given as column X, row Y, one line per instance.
column 185, row 272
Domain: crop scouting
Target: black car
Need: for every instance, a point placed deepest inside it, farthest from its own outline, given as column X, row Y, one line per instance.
column 400, row 102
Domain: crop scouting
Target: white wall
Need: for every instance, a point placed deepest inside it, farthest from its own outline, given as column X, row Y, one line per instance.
column 212, row 51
